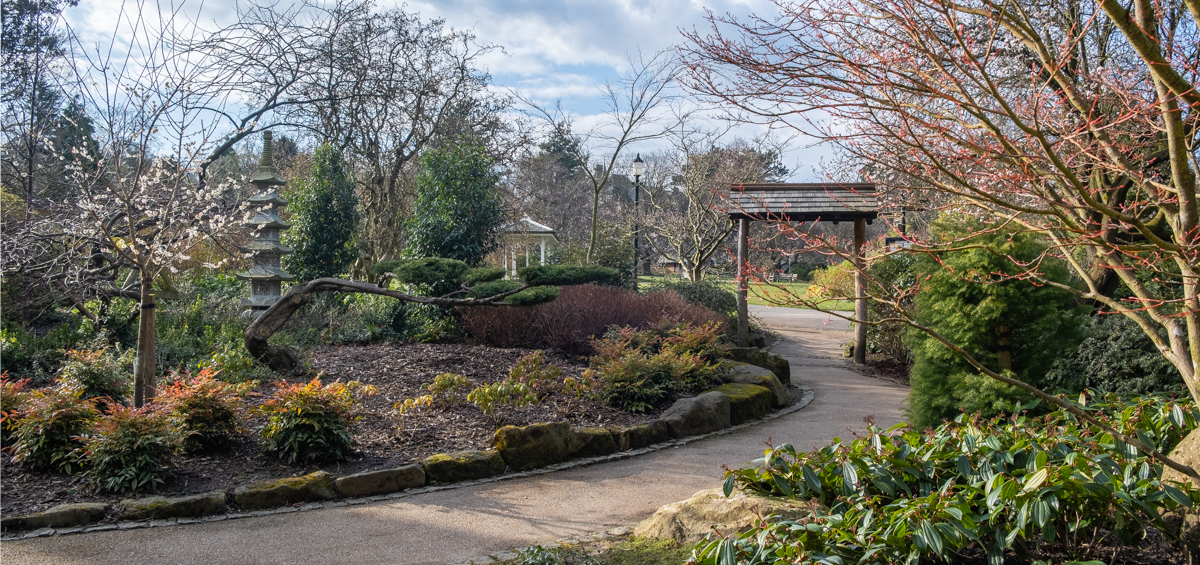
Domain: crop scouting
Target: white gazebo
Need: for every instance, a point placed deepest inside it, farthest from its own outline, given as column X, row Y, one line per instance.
column 523, row 234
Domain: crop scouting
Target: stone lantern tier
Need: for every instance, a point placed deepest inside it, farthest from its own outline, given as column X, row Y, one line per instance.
column 266, row 276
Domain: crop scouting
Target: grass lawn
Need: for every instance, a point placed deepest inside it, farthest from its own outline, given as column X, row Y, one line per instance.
column 775, row 294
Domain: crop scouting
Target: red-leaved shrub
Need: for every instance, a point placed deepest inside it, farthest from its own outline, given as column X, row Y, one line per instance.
column 580, row 314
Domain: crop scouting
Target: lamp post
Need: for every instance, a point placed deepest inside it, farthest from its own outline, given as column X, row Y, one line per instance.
column 639, row 167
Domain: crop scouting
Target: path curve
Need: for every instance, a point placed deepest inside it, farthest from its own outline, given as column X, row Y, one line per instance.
column 451, row 525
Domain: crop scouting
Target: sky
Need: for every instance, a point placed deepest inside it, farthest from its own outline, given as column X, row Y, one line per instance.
column 552, row 50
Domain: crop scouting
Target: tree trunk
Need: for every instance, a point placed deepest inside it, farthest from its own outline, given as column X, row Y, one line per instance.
column 143, row 369
column 1004, row 345
column 595, row 217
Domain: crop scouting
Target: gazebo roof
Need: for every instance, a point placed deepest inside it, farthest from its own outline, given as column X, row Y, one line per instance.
column 803, row 202
column 527, row 229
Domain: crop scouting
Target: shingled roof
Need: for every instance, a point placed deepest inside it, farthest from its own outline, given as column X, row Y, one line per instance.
column 803, row 202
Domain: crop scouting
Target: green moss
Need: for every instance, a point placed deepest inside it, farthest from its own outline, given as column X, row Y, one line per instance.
column 746, row 402
column 533, row 446
column 462, row 466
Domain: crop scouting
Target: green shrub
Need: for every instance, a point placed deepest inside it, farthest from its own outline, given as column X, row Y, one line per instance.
column 492, row 288
column 1023, row 483
column 24, row 355
column 1117, row 356
column 637, row 370
column 47, row 437
column 443, row 392
column 310, row 421
column 208, row 410
column 528, row 382
column 324, row 219
column 890, row 276
column 482, row 275
column 833, row 281
column 567, row 275
column 457, row 210
column 534, row 296
column 98, row 374
column 973, row 297
column 131, row 448
column 707, row 293
column 233, row 364
column 425, row 271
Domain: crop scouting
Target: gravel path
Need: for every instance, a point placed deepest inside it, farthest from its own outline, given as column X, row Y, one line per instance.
column 451, row 525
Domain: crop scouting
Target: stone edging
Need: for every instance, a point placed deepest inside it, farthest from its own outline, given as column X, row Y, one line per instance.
column 806, row 397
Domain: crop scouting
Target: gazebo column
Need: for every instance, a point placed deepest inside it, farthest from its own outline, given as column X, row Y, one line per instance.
column 860, row 299
column 543, row 242
column 743, row 273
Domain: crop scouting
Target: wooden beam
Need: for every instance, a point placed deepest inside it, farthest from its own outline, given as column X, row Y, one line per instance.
column 860, row 300
column 743, row 272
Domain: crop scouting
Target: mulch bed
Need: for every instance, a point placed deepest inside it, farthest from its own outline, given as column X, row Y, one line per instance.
column 385, row 438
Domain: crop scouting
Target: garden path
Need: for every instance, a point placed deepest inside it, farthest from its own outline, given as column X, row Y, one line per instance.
column 450, row 525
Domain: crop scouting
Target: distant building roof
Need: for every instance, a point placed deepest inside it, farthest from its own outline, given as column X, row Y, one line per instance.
column 803, row 202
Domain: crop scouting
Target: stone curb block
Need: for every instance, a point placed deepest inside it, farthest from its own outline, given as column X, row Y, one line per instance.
column 536, row 445
column 462, row 466
column 697, row 415
column 755, row 356
column 591, row 442
column 385, row 481
column 746, row 402
column 61, row 516
column 281, row 492
column 160, row 507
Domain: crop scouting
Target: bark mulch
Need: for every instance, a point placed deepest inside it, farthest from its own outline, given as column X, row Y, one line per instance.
column 385, row 438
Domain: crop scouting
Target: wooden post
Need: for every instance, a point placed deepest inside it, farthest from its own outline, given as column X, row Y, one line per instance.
column 860, row 300
column 743, row 272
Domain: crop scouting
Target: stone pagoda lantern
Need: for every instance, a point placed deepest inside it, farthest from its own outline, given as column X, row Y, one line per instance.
column 266, row 276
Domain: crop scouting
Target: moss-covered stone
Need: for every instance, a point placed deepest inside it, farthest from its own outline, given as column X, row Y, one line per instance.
column 746, row 402
column 160, row 507
column 462, row 466
column 592, row 442
column 770, row 361
column 698, row 415
column 533, row 446
column 688, row 521
column 637, row 437
column 746, row 373
column 280, row 492
column 383, row 481
column 61, row 516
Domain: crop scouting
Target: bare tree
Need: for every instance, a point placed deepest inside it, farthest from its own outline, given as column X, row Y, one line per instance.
column 636, row 112
column 1076, row 120
column 687, row 219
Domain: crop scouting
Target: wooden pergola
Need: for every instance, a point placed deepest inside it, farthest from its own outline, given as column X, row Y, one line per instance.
column 852, row 202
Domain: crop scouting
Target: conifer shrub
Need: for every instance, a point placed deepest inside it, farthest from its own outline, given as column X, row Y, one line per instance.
column 48, row 434
column 208, row 410
column 131, row 448
column 707, row 293
column 972, row 296
column 309, row 422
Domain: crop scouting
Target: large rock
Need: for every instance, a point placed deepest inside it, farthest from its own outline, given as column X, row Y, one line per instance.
column 462, row 466
column 687, row 522
column 533, row 446
column 637, row 437
column 1186, row 525
column 592, row 442
column 702, row 414
column 281, row 492
column 160, row 507
column 748, row 374
column 384, row 481
column 770, row 361
column 61, row 516
column 746, row 402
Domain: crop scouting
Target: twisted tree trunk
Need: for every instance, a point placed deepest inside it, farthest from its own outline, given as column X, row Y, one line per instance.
column 284, row 360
